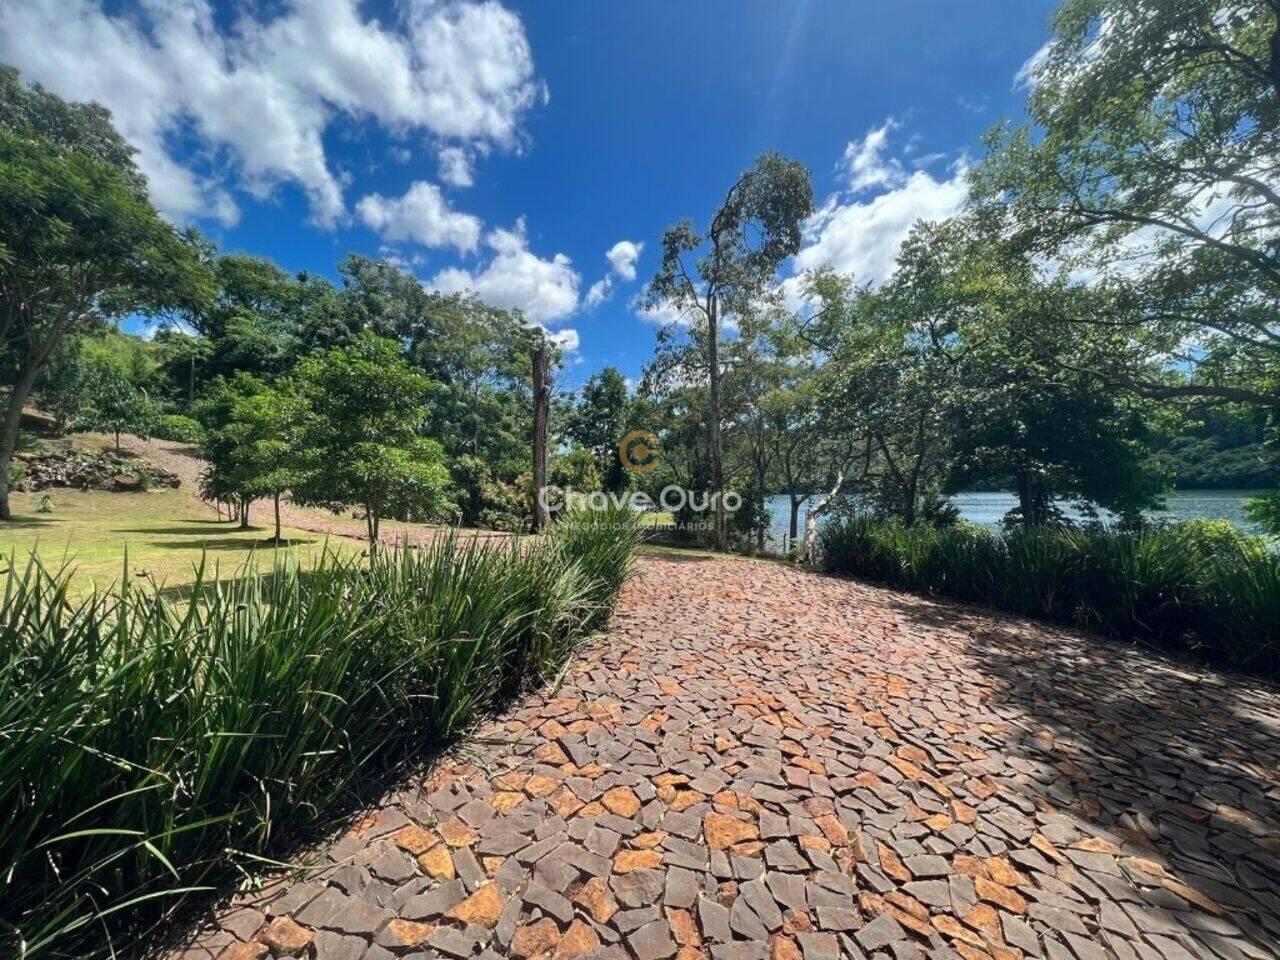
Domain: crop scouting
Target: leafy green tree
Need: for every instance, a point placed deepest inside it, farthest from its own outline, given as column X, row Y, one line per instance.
column 65, row 382
column 576, row 469
column 709, row 277
column 252, row 442
column 118, row 406
column 477, row 358
column 249, row 323
column 1264, row 511
column 266, row 427
column 182, row 359
column 75, row 383
column 228, row 478
column 361, row 442
column 1029, row 407
column 1153, row 133
column 597, row 421
column 79, row 240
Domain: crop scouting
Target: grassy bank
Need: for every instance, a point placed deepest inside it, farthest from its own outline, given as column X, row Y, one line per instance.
column 1192, row 587
column 142, row 737
column 166, row 534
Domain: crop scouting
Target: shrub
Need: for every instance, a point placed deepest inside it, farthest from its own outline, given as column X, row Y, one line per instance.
column 1264, row 511
column 1200, row 587
column 179, row 429
column 146, row 742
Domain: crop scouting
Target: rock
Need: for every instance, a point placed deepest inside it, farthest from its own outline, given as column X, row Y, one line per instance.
column 880, row 932
column 652, row 941
column 414, row 839
column 714, row 920
column 244, row 951
column 535, row 939
column 337, row 946
column 551, row 902
column 723, row 831
column 578, row 941
column 683, row 927
column 454, row 942
column 482, row 907
column 819, row 946
column 88, row 471
column 399, row 934
column 437, row 863
column 628, row 861
column 286, row 938
column 593, row 896
column 621, row 801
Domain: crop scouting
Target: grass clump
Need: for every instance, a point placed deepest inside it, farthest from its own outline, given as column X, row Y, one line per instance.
column 148, row 742
column 1195, row 587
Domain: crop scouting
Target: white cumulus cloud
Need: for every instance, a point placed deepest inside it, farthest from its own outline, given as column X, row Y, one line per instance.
column 544, row 290
column 423, row 216
column 865, row 163
column 859, row 230
column 214, row 108
column 598, row 293
column 455, row 167
column 622, row 257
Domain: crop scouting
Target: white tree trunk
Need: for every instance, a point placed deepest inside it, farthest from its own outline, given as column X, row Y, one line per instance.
column 809, row 545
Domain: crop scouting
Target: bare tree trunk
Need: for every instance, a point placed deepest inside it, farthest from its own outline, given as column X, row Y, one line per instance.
column 761, row 531
column 277, row 506
column 244, row 513
column 809, row 548
column 795, row 515
column 371, row 518
column 1030, row 499
column 541, row 412
column 713, row 420
column 9, row 433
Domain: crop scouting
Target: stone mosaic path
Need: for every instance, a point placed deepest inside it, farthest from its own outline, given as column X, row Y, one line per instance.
column 763, row 762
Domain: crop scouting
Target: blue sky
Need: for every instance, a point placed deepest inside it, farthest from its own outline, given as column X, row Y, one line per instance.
column 510, row 148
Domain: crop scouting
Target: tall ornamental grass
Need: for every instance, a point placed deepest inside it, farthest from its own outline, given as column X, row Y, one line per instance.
column 1194, row 587
column 148, row 743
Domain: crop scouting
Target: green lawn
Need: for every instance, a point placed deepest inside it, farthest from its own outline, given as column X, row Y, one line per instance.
column 165, row 532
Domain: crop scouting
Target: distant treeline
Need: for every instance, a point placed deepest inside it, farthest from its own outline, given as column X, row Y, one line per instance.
column 1219, row 451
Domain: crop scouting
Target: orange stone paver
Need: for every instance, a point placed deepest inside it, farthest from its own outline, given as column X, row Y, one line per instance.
column 761, row 762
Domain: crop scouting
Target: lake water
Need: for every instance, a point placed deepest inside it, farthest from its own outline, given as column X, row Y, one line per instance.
column 987, row 509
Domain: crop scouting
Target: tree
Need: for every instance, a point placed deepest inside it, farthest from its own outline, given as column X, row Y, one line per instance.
column 231, row 473
column 253, row 442
column 1028, row 403
column 251, row 321
column 707, row 277
column 182, row 358
column 361, row 438
column 963, row 368
column 117, row 406
column 79, row 240
column 477, row 359
column 1152, row 148
column 65, row 383
column 597, row 420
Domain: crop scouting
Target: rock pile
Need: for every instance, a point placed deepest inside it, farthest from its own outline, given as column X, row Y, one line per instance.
column 89, row 471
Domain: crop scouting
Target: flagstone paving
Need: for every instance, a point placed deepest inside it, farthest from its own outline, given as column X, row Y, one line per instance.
column 762, row 762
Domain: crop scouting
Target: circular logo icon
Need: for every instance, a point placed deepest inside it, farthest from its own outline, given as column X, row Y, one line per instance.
column 639, row 451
